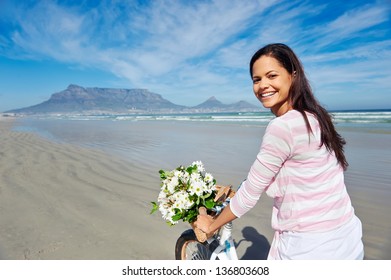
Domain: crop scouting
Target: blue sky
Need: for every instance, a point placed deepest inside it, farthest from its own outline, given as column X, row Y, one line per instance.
column 188, row 51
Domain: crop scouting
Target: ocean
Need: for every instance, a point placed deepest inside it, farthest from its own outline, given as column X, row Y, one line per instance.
column 256, row 118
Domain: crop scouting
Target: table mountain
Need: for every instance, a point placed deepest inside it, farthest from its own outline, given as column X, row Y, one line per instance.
column 77, row 99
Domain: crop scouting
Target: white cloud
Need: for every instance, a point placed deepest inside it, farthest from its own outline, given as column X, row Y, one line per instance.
column 358, row 19
column 352, row 24
column 179, row 47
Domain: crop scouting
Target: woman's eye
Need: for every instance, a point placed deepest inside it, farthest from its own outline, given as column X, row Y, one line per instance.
column 272, row 76
column 255, row 81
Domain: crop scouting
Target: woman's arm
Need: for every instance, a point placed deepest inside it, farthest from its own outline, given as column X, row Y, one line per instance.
column 275, row 149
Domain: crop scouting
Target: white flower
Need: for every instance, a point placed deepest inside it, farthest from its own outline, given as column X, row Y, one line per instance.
column 172, row 184
column 208, row 177
column 164, row 184
column 162, row 198
column 164, row 210
column 184, row 176
column 200, row 166
column 194, row 177
column 197, row 187
column 182, row 200
column 169, row 213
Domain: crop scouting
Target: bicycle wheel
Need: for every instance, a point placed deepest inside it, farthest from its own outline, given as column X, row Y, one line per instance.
column 188, row 247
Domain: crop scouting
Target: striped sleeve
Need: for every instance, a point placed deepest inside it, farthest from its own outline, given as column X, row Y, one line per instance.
column 275, row 150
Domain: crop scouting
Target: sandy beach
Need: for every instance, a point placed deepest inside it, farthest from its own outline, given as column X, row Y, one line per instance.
column 59, row 200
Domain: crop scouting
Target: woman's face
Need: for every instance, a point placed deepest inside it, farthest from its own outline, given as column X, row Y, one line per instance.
column 271, row 84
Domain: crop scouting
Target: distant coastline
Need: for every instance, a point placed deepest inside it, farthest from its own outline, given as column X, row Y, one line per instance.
column 94, row 101
column 79, row 100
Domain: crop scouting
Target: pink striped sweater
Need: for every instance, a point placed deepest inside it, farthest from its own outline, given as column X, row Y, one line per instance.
column 305, row 180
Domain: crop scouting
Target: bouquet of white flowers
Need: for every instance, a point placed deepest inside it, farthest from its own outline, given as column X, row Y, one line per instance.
column 183, row 191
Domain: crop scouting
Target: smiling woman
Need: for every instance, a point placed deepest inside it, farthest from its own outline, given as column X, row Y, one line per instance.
column 300, row 165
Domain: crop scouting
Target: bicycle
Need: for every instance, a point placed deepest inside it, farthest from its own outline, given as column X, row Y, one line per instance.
column 220, row 246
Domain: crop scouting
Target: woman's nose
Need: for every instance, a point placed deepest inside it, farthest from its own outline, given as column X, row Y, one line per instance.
column 262, row 85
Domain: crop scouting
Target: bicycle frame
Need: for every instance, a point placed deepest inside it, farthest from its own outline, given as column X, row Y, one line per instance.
column 226, row 249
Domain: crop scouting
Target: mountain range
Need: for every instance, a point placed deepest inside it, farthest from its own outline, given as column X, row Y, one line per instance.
column 77, row 99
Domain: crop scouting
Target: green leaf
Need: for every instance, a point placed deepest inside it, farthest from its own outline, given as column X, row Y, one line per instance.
column 192, row 219
column 162, row 174
column 209, row 203
column 206, row 195
column 177, row 217
column 192, row 215
column 154, row 207
column 192, row 169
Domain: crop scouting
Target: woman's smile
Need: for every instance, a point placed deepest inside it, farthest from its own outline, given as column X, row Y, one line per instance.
column 268, row 94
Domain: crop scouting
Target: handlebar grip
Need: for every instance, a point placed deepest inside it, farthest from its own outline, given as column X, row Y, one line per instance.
column 202, row 211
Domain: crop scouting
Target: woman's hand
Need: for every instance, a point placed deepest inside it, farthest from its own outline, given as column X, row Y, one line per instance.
column 208, row 224
column 204, row 221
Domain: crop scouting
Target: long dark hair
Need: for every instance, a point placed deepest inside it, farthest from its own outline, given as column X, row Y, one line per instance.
column 303, row 100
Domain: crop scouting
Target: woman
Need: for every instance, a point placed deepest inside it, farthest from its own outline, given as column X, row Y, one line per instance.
column 300, row 165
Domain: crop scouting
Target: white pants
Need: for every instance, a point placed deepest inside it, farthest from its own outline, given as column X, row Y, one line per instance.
column 344, row 242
